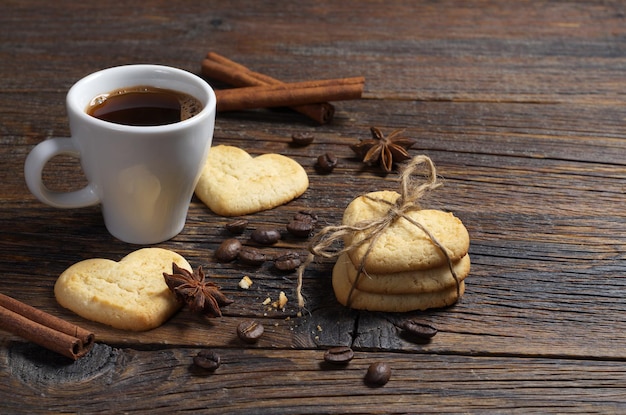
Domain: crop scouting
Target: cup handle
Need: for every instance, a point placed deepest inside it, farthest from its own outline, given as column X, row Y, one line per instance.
column 33, row 169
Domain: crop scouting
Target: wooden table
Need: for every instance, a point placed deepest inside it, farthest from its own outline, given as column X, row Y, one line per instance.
column 522, row 107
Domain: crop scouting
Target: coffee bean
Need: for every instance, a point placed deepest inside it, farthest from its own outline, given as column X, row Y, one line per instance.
column 378, row 374
column 302, row 139
column 288, row 261
column 326, row 163
column 250, row 331
column 305, row 215
column 339, row 355
column 302, row 224
column 417, row 329
column 207, row 359
column 237, row 226
column 228, row 250
column 265, row 236
column 301, row 228
column 251, row 256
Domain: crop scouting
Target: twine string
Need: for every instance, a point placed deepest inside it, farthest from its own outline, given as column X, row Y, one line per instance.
column 411, row 191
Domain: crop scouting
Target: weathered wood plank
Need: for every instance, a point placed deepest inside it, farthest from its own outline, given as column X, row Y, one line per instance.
column 267, row 381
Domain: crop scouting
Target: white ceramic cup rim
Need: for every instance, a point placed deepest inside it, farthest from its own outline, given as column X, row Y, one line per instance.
column 127, row 76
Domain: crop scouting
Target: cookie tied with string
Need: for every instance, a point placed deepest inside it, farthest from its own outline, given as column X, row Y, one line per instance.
column 402, row 246
column 361, row 299
column 396, row 256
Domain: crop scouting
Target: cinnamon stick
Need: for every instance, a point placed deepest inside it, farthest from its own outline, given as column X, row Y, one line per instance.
column 225, row 70
column 289, row 94
column 44, row 329
column 258, row 78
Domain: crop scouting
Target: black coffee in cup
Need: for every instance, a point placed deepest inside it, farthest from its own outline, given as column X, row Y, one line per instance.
column 144, row 106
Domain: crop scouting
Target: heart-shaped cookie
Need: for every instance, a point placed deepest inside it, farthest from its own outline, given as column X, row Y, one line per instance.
column 403, row 246
column 234, row 183
column 392, row 303
column 130, row 294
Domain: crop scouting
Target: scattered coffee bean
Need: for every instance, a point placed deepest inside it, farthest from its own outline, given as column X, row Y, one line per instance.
column 288, row 261
column 302, row 224
column 237, row 226
column 265, row 236
column 251, row 256
column 339, row 355
column 302, row 139
column 305, row 215
column 417, row 329
column 326, row 163
column 228, row 250
column 250, row 331
column 378, row 374
column 301, row 228
column 207, row 359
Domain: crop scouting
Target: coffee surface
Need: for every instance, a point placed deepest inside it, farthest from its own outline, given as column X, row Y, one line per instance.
column 144, row 106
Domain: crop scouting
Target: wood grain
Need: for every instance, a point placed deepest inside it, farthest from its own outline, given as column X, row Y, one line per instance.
column 269, row 381
column 521, row 106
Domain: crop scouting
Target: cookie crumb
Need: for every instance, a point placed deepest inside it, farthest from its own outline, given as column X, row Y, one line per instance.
column 282, row 301
column 245, row 282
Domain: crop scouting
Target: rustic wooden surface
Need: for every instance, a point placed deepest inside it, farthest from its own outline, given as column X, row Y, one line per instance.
column 521, row 105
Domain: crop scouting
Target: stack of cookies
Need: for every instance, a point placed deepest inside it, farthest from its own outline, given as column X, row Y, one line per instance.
column 405, row 270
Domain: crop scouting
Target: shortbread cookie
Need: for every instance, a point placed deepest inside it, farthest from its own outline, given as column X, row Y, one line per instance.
column 393, row 303
column 408, row 282
column 234, row 183
column 130, row 294
column 403, row 246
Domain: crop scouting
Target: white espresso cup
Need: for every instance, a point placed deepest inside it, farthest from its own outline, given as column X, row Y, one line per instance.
column 143, row 176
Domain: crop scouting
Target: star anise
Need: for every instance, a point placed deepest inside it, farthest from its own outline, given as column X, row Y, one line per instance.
column 193, row 289
column 384, row 150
